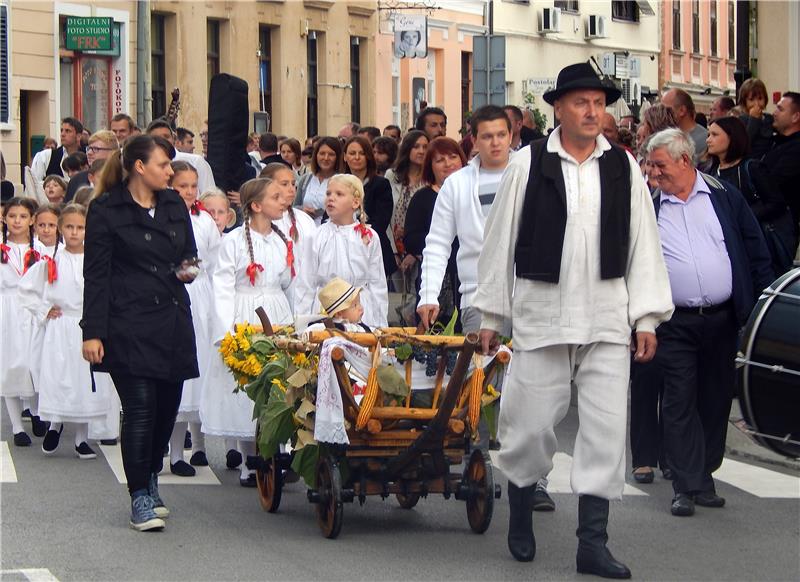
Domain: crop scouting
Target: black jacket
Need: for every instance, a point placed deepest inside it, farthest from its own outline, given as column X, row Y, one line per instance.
column 77, row 181
column 132, row 300
column 379, row 206
column 783, row 164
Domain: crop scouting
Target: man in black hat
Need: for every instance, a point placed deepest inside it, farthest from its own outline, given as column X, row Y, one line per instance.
column 571, row 258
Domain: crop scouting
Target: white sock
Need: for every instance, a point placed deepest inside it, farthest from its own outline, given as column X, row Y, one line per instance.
column 176, row 442
column 198, row 438
column 230, row 444
column 14, row 408
column 247, row 448
column 26, row 404
column 81, row 433
column 56, row 426
column 32, row 403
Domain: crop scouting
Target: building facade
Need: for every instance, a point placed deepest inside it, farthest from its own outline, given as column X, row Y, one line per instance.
column 776, row 58
column 310, row 65
column 541, row 37
column 442, row 78
column 699, row 49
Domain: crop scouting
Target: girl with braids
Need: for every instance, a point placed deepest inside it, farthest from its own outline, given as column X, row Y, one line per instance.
column 346, row 248
column 18, row 253
column 298, row 225
column 254, row 268
column 207, row 238
column 137, row 323
column 52, row 291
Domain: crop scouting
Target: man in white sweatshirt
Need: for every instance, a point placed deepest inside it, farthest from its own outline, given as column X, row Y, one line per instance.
column 461, row 209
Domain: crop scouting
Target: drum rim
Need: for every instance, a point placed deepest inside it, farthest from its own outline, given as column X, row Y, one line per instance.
column 782, row 282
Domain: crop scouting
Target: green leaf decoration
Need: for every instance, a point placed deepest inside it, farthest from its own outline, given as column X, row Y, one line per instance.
column 488, row 413
column 276, row 423
column 391, row 382
column 450, row 328
column 403, row 352
column 304, row 464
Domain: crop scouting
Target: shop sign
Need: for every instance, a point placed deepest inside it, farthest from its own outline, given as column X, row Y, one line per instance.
column 92, row 33
column 115, row 43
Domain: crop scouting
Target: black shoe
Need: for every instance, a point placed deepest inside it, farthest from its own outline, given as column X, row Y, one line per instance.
column 494, row 445
column 593, row 556
column 521, row 541
column 199, row 459
column 21, row 439
column 182, row 469
column 51, row 440
column 542, row 500
column 682, row 505
column 84, row 451
column 644, row 478
column 187, row 441
column 26, row 414
column 249, row 481
column 290, row 477
column 108, row 442
column 39, row 426
column 709, row 499
column 668, row 474
column 233, row 459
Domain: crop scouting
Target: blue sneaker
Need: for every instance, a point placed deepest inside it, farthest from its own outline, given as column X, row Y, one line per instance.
column 158, row 504
column 143, row 518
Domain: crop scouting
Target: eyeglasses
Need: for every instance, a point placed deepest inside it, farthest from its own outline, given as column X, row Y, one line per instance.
column 95, row 149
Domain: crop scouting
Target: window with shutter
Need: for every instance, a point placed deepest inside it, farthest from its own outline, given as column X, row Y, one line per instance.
column 5, row 81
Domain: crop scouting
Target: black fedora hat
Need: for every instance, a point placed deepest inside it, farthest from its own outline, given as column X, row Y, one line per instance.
column 581, row 76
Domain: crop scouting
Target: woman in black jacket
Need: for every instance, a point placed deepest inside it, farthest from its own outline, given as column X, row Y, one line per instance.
column 139, row 254
column 359, row 160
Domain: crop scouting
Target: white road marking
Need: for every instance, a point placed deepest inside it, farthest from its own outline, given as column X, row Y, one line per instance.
column 758, row 481
column 31, row 574
column 204, row 476
column 8, row 474
column 558, row 479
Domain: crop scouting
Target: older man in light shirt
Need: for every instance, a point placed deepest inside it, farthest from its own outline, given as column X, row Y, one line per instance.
column 718, row 263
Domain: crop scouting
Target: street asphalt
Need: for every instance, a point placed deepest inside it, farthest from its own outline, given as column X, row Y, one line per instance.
column 67, row 519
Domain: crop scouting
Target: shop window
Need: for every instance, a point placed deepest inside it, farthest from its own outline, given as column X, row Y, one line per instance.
column 265, row 68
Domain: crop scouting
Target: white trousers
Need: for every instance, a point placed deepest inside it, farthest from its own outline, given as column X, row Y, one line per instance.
column 536, row 397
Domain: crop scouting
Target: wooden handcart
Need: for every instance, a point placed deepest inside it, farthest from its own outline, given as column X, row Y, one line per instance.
column 409, row 452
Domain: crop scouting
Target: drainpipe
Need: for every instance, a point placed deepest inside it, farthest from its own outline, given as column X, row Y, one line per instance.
column 144, row 96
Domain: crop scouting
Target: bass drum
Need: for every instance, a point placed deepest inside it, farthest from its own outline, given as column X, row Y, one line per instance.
column 770, row 395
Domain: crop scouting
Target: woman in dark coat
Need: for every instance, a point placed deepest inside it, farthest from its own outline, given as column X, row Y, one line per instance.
column 359, row 160
column 137, row 324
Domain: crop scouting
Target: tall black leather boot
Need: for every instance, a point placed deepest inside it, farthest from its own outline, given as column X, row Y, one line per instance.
column 521, row 542
column 593, row 555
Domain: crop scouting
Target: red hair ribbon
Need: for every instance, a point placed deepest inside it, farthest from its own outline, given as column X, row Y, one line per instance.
column 364, row 231
column 290, row 256
column 253, row 269
column 52, row 270
column 5, row 249
column 197, row 208
column 26, row 260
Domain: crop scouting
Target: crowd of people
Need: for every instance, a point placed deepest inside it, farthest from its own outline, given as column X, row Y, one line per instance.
column 503, row 225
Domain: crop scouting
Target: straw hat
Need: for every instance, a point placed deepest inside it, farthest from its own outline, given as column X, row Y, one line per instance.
column 337, row 295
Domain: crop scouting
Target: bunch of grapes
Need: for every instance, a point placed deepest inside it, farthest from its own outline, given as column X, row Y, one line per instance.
column 419, row 354
column 431, row 362
column 452, row 356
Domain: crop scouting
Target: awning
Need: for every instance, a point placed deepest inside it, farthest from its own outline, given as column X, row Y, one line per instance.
column 645, row 9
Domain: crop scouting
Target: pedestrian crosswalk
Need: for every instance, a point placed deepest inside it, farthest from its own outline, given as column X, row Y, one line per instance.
column 204, row 476
column 8, row 474
column 27, row 575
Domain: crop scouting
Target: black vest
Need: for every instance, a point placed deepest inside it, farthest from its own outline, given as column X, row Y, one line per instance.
column 54, row 167
column 544, row 216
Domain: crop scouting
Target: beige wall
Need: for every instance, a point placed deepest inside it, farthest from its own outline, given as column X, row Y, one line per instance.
column 34, row 67
column 778, row 42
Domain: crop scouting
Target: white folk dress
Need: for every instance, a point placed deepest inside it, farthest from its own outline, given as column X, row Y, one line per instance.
column 306, row 227
column 340, row 251
column 223, row 412
column 16, row 326
column 66, row 390
column 37, row 333
column 201, row 294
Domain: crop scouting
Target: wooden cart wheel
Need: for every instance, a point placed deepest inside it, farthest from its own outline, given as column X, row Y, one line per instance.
column 329, row 506
column 407, row 501
column 480, row 501
column 270, row 485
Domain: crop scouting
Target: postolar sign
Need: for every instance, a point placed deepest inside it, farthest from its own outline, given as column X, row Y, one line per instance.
column 88, row 33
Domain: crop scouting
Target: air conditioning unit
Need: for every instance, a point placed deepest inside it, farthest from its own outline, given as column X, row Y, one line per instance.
column 550, row 20
column 596, row 26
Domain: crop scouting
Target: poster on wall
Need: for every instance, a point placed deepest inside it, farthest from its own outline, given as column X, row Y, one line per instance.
column 410, row 36
column 418, row 91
